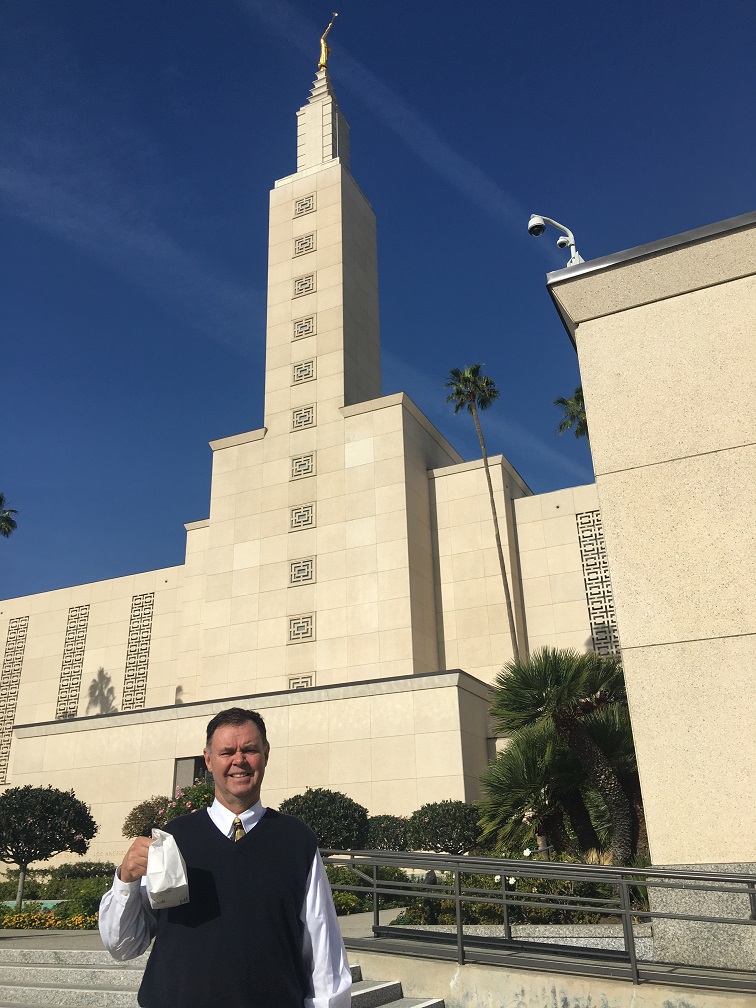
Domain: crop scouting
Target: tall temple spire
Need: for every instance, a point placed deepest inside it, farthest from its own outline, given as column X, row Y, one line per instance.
column 322, row 130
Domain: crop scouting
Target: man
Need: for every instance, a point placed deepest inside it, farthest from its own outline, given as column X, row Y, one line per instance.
column 260, row 929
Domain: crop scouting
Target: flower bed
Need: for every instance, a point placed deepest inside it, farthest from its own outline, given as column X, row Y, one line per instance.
column 47, row 920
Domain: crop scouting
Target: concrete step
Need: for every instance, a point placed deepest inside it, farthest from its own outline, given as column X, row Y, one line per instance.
column 416, row 1003
column 401, row 1003
column 91, row 996
column 69, row 976
column 374, row 993
column 78, row 978
column 69, row 957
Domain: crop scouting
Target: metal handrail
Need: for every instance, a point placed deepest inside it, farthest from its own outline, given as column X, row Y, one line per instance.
column 620, row 880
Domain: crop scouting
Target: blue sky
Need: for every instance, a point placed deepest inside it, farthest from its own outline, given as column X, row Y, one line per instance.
column 138, row 143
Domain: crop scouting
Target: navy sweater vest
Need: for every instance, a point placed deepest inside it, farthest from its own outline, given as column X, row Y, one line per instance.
column 237, row 943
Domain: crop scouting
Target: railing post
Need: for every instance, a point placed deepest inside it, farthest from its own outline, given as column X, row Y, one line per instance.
column 376, row 914
column 458, row 908
column 627, row 928
column 505, row 910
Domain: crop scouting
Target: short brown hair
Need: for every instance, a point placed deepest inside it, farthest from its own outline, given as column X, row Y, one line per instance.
column 235, row 716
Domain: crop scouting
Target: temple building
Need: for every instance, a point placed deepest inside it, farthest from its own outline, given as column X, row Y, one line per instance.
column 345, row 584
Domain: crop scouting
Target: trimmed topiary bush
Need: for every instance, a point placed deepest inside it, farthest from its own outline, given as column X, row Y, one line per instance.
column 146, row 816
column 387, row 832
column 446, row 827
column 336, row 820
column 37, row 823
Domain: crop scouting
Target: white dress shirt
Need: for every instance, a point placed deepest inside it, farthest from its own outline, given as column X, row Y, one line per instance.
column 128, row 922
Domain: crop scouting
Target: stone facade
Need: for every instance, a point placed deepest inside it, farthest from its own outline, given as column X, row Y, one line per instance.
column 665, row 335
column 345, row 575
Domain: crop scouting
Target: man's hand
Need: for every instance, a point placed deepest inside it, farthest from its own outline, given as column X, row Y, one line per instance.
column 134, row 865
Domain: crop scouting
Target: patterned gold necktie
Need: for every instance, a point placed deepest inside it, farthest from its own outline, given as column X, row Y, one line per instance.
column 238, row 829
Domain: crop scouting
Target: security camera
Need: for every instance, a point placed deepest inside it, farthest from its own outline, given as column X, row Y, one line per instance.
column 536, row 225
column 563, row 242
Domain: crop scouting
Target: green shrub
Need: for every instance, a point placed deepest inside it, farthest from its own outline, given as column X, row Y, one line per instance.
column 63, row 889
column 347, row 903
column 387, row 832
column 479, row 912
column 86, row 902
column 72, row 889
column 336, row 820
column 82, row 870
column 341, row 875
column 33, row 889
column 146, row 816
column 199, row 795
column 447, row 827
column 34, row 886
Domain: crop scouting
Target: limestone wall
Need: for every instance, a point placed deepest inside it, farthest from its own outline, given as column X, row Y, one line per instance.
column 391, row 745
column 665, row 336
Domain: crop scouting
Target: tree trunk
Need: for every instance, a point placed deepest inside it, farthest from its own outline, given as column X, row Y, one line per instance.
column 543, row 845
column 555, row 833
column 21, row 883
column 601, row 774
column 631, row 786
column 582, row 827
column 504, row 579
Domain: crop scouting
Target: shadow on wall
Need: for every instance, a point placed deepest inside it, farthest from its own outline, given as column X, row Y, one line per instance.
column 101, row 694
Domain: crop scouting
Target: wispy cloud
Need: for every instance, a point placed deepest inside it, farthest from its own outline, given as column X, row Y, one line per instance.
column 283, row 19
column 71, row 168
column 134, row 248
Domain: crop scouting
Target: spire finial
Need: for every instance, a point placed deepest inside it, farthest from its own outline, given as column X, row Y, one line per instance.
column 325, row 49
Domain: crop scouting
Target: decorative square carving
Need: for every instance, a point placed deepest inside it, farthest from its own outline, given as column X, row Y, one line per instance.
column 304, row 285
column 303, row 371
column 304, row 327
column 301, row 517
column 304, row 244
column 301, row 628
column 10, row 680
column 301, row 681
column 598, row 587
column 302, row 571
column 73, row 662
column 303, row 465
column 138, row 651
column 303, row 416
column 303, row 205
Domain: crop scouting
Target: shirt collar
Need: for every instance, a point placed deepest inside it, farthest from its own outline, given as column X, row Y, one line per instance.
column 223, row 818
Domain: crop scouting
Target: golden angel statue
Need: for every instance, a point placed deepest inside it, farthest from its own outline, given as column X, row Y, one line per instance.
column 325, row 49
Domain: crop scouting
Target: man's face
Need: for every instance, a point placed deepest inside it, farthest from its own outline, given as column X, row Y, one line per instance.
column 236, row 757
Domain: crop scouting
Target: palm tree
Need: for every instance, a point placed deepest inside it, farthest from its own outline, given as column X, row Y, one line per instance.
column 563, row 688
column 471, row 389
column 532, row 790
column 7, row 522
column 574, row 414
column 612, row 732
column 101, row 693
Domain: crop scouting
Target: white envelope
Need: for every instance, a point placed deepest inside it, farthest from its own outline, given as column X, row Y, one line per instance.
column 167, row 885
